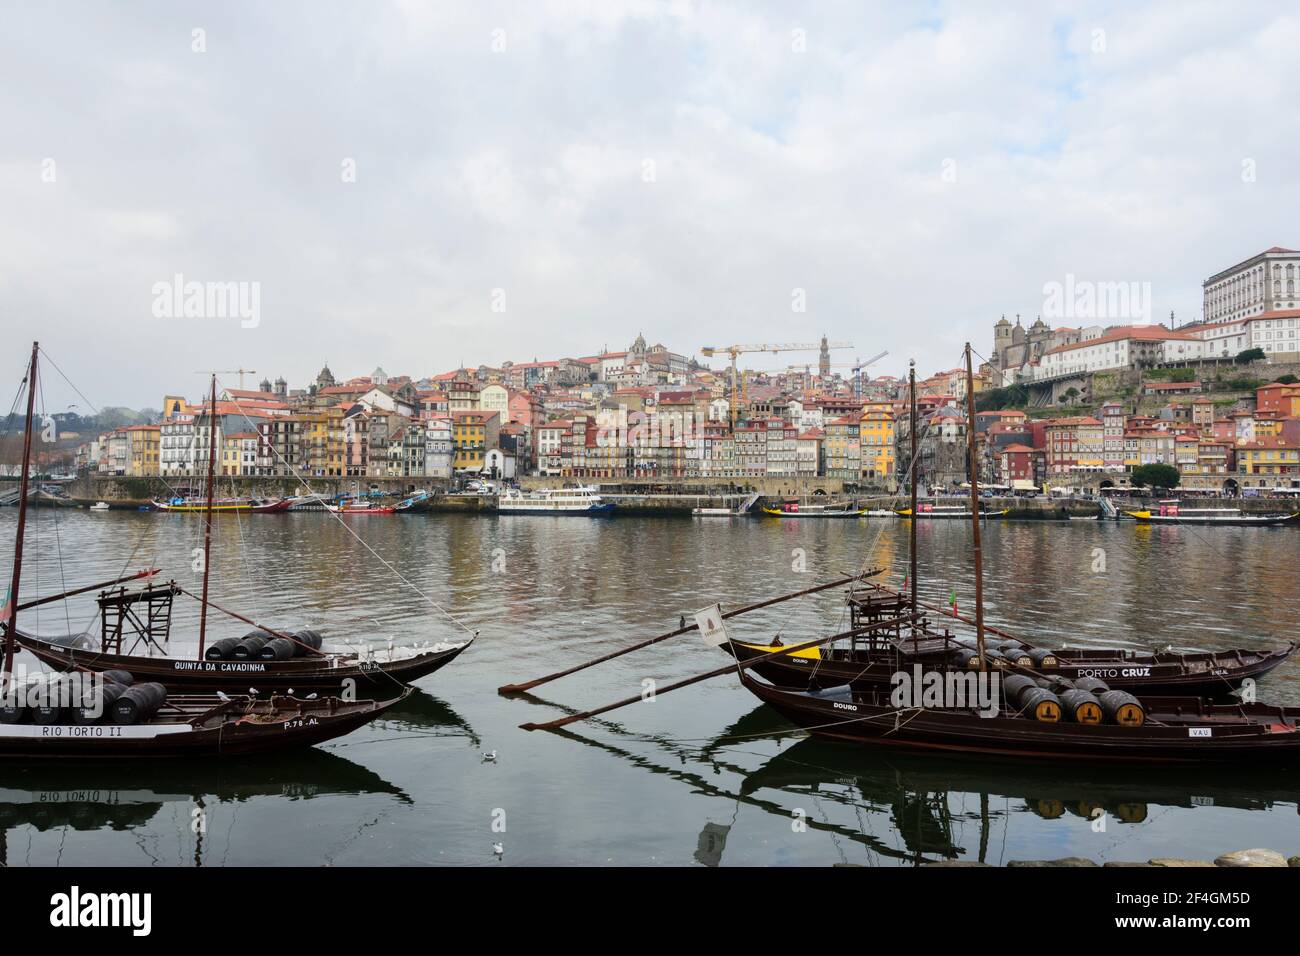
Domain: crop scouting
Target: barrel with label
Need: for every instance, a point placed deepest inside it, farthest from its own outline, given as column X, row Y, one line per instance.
column 1121, row 707
column 1017, row 657
column 222, row 649
column 96, row 708
column 1041, row 705
column 1014, row 686
column 53, row 703
column 1081, row 707
column 1044, row 658
column 138, row 703
column 280, row 649
column 308, row 637
column 250, row 647
column 11, row 711
column 996, row 658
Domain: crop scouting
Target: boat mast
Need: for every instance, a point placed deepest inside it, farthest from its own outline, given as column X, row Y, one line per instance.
column 911, row 380
column 207, row 513
column 11, row 618
column 973, row 467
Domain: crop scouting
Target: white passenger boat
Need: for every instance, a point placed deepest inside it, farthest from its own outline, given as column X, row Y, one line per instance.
column 1174, row 513
column 553, row 501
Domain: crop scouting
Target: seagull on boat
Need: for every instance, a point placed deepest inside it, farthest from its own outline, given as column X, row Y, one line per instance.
column 490, row 756
column 498, row 849
column 309, row 696
column 252, row 691
column 224, row 698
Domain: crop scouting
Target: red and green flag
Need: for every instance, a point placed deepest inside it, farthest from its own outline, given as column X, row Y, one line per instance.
column 952, row 599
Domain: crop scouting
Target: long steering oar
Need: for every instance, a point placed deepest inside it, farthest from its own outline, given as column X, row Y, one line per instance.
column 574, row 718
column 529, row 685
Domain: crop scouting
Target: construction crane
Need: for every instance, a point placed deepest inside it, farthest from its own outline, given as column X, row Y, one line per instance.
column 856, row 367
column 709, row 351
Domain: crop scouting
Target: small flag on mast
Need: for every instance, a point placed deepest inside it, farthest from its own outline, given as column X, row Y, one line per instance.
column 952, row 599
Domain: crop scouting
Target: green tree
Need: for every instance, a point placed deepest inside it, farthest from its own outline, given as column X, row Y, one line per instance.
column 1246, row 356
column 1155, row 476
column 1287, row 379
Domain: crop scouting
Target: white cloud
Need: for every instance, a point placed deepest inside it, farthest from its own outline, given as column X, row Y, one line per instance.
column 523, row 169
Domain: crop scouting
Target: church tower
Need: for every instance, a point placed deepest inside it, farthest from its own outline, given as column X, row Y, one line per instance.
column 824, row 363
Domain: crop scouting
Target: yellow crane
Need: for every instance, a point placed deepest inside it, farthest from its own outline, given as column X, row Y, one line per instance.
column 734, row 350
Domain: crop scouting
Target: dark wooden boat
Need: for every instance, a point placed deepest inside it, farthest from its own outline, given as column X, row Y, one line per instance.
column 146, row 721
column 198, row 725
column 281, row 661
column 1176, row 729
column 870, row 661
column 331, row 672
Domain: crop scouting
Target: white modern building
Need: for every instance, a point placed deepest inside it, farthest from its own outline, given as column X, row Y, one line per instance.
column 1122, row 347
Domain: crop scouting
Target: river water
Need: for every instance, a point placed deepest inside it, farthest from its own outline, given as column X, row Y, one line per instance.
column 701, row 776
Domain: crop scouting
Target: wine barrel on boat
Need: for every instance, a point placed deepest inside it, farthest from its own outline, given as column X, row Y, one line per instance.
column 1081, row 707
column 1057, row 684
column 138, row 703
column 250, row 646
column 995, row 658
column 52, row 705
column 12, row 712
column 1093, row 685
column 280, row 649
column 966, row 657
column 1014, row 686
column 96, row 708
column 309, row 637
column 1018, row 657
column 1044, row 658
column 1121, row 707
column 1041, row 704
column 222, row 649
column 125, row 678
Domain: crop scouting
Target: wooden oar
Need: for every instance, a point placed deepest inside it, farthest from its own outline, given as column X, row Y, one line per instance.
column 529, row 685
column 574, row 718
column 146, row 573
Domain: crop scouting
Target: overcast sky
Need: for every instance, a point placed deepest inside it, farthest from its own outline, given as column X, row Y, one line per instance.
column 676, row 169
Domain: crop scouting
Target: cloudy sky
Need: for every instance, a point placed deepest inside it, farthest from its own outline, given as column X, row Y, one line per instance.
column 418, row 185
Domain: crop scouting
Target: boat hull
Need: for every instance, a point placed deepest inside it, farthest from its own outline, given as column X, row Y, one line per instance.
column 367, row 678
column 289, row 724
column 813, row 514
column 274, row 507
column 1141, row 674
column 1144, row 518
column 1269, row 738
column 588, row 511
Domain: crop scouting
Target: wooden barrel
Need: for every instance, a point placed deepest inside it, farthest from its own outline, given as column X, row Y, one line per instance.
column 309, row 637
column 280, row 649
column 249, row 648
column 1131, row 812
column 1081, row 707
column 138, row 703
column 1041, row 705
column 1043, row 658
column 222, row 649
column 1121, row 707
column 996, row 658
column 1093, row 685
column 1018, row 657
column 1059, row 685
column 1014, row 686
column 97, row 708
column 967, row 658
column 12, row 712
column 52, row 705
column 125, row 678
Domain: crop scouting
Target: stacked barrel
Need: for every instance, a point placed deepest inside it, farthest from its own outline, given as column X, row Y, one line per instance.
column 259, row 644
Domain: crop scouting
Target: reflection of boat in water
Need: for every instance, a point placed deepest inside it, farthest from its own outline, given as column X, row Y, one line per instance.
column 50, row 796
column 422, row 711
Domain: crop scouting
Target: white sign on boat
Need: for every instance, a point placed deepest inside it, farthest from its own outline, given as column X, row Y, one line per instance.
column 96, row 731
column 712, row 627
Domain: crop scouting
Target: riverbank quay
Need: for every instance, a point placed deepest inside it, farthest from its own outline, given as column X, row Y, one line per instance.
column 1237, row 859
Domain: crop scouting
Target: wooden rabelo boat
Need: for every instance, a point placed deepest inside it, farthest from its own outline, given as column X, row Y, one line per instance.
column 121, row 716
column 871, row 660
column 1001, row 707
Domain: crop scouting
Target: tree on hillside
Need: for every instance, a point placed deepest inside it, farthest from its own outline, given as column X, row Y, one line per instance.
column 1155, row 476
column 1246, row 356
column 1287, row 379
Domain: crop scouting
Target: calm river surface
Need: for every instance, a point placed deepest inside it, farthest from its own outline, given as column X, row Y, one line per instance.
column 703, row 775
